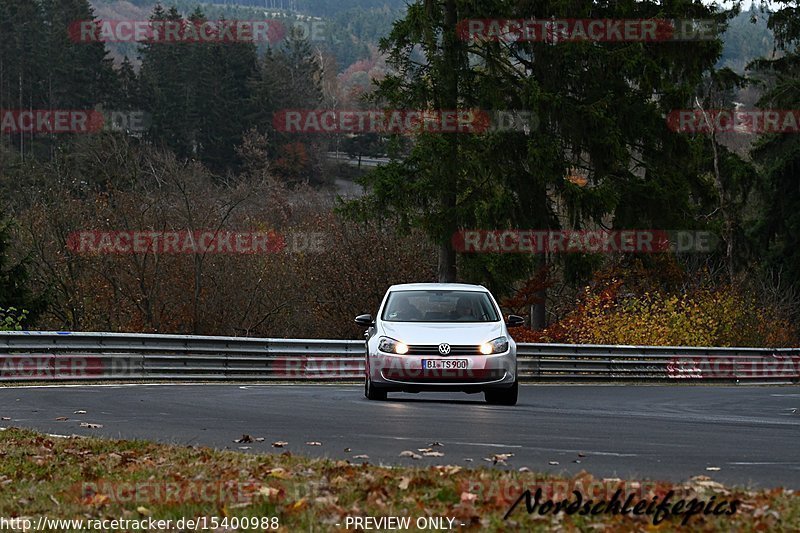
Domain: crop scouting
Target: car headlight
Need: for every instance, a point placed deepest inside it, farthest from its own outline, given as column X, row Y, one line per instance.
column 389, row 345
column 499, row 345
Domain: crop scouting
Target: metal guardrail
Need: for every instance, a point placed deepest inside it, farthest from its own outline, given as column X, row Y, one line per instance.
column 73, row 356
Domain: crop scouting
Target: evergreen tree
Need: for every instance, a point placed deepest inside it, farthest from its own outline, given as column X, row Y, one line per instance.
column 777, row 234
column 128, row 96
column 289, row 78
column 600, row 109
column 14, row 284
column 79, row 75
column 23, row 63
column 223, row 71
column 197, row 93
column 168, row 89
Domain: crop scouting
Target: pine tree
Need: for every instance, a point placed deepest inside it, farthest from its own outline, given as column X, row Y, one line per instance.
column 288, row 78
column 198, row 93
column 79, row 75
column 223, row 96
column 599, row 108
column 778, row 232
column 168, row 89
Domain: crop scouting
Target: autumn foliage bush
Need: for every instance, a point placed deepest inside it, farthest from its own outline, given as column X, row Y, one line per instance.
column 727, row 315
column 295, row 293
column 112, row 184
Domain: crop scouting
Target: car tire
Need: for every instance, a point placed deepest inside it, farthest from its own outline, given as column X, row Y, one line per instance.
column 502, row 396
column 372, row 393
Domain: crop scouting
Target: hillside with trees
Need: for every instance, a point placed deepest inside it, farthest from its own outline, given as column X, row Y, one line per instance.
column 600, row 156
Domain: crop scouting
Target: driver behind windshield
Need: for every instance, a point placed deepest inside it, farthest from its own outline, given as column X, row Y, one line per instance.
column 463, row 310
column 406, row 311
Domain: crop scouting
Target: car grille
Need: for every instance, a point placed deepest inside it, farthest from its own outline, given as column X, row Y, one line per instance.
column 433, row 349
column 444, row 376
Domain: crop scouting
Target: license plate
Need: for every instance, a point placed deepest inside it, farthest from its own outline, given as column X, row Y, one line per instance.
column 445, row 364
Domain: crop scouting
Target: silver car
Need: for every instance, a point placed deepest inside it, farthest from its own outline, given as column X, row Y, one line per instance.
column 440, row 337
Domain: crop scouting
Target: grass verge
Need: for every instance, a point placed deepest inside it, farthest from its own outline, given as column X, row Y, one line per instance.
column 98, row 479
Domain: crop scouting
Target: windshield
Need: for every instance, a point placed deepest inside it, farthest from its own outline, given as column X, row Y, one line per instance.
column 439, row 306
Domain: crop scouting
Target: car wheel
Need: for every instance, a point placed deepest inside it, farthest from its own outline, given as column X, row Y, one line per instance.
column 372, row 393
column 502, row 396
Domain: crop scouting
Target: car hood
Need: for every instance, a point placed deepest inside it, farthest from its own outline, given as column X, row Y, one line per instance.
column 465, row 333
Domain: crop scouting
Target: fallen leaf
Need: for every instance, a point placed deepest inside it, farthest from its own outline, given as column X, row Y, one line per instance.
column 268, row 492
column 409, row 453
column 468, row 497
column 279, row 473
column 299, row 505
column 326, row 500
column 499, row 458
column 279, row 444
column 97, row 499
column 713, row 485
column 240, row 505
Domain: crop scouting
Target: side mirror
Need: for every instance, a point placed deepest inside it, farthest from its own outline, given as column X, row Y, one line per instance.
column 515, row 321
column 364, row 320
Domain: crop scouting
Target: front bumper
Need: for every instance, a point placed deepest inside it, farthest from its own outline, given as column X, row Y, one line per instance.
column 405, row 372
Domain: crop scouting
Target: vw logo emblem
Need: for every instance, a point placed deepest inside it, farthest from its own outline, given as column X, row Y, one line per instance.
column 444, row 348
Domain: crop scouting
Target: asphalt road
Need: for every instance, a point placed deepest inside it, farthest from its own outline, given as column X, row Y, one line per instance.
column 648, row 432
